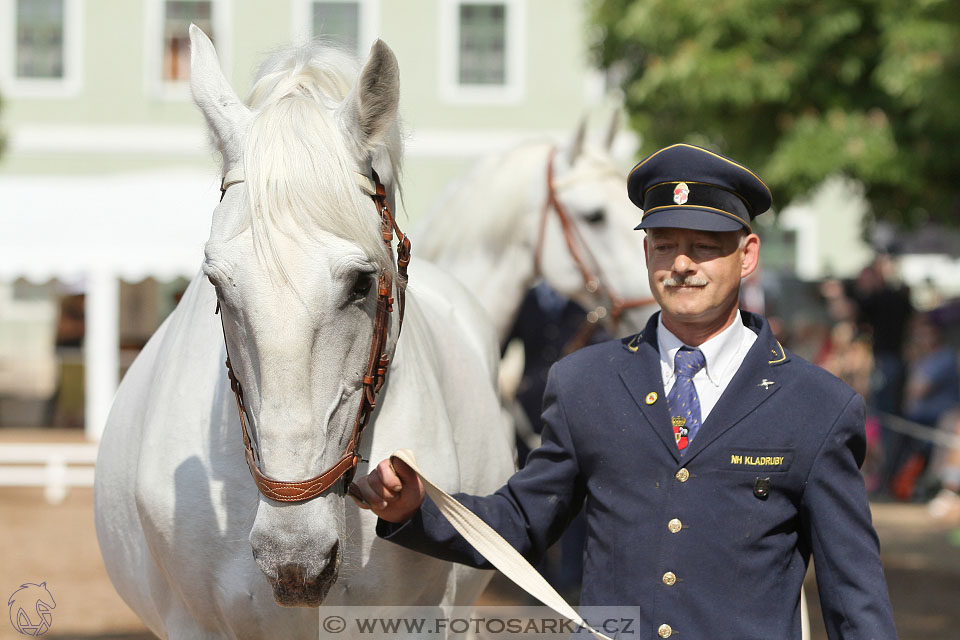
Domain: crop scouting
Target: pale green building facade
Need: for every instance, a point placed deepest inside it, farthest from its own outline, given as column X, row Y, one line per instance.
column 107, row 174
column 112, row 109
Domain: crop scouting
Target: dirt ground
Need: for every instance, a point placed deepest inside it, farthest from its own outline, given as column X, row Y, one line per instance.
column 57, row 544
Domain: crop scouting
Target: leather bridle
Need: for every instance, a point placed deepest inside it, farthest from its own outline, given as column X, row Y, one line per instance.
column 377, row 364
column 594, row 282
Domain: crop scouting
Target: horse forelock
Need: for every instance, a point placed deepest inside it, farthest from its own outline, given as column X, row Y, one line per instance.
column 298, row 161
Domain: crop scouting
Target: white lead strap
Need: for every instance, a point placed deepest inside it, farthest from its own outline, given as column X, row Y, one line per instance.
column 495, row 549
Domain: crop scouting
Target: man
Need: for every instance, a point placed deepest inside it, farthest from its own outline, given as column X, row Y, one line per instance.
column 712, row 463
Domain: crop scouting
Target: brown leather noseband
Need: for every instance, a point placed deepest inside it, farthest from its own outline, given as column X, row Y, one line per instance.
column 594, row 281
column 373, row 379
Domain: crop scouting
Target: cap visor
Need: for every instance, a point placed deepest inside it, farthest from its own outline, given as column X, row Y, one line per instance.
column 690, row 218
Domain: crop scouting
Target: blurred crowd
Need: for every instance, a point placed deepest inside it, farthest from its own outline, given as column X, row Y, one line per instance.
column 903, row 361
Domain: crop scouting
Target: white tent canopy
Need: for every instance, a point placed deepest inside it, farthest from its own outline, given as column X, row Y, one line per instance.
column 97, row 229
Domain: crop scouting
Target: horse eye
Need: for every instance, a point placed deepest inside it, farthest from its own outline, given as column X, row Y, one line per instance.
column 595, row 217
column 361, row 286
column 216, row 286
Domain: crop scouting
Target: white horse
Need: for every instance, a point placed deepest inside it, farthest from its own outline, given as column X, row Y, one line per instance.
column 539, row 211
column 293, row 258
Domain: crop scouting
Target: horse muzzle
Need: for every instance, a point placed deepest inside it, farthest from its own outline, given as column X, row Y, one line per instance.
column 300, row 582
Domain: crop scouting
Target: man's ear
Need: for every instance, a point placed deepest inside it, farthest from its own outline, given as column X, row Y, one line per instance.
column 750, row 255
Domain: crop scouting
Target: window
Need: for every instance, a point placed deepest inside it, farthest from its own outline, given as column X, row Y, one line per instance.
column 341, row 20
column 40, row 34
column 167, row 56
column 177, row 16
column 483, row 42
column 350, row 23
column 482, row 51
column 41, row 52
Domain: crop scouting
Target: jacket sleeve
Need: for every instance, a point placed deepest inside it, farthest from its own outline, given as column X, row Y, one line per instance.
column 837, row 524
column 530, row 511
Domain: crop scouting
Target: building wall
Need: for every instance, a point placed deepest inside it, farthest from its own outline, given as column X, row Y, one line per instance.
column 117, row 120
column 114, row 130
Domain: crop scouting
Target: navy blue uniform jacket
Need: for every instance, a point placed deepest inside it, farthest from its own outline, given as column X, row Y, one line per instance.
column 738, row 558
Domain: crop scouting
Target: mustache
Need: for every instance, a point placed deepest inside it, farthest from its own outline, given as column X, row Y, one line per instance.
column 688, row 281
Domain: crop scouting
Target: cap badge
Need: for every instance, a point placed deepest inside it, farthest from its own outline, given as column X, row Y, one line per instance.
column 680, row 193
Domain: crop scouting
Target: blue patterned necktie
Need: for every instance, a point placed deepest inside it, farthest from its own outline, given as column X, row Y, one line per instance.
column 683, row 401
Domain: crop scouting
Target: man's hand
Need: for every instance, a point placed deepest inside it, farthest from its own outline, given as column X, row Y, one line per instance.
column 392, row 490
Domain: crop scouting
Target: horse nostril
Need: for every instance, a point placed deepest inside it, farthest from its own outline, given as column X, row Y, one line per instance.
column 291, row 574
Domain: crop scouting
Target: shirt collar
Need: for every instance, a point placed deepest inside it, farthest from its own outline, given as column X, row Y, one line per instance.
column 718, row 352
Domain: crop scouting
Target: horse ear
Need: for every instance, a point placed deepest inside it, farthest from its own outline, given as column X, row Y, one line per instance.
column 612, row 129
column 370, row 109
column 576, row 147
column 223, row 110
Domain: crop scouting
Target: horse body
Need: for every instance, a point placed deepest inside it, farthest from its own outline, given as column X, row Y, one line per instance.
column 497, row 232
column 177, row 512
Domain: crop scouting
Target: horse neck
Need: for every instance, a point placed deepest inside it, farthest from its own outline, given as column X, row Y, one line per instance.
column 483, row 230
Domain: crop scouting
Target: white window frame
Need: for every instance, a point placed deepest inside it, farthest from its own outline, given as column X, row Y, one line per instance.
column 301, row 26
column 70, row 84
column 155, row 85
column 513, row 89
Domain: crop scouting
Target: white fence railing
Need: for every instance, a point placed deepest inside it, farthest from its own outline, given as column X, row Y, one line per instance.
column 55, row 467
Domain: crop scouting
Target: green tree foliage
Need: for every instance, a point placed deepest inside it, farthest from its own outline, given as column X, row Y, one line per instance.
column 800, row 90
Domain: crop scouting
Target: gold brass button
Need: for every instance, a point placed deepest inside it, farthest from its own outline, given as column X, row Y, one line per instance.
column 669, row 578
column 674, row 525
column 683, row 475
column 665, row 631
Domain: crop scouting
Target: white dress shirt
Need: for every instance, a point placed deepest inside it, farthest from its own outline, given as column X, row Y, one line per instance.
column 724, row 353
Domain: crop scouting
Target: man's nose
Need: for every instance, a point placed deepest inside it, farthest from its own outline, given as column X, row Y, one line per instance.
column 682, row 263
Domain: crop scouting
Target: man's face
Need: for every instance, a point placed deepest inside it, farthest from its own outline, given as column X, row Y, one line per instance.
column 695, row 275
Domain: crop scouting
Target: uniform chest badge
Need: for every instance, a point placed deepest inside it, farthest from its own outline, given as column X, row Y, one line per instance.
column 651, row 397
column 680, row 193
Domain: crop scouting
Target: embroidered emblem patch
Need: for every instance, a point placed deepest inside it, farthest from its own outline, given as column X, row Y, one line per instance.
column 680, row 193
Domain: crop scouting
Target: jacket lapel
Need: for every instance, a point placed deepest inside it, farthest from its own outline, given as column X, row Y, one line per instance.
column 754, row 383
column 641, row 376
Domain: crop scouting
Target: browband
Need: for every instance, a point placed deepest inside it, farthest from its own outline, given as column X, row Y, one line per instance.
column 236, row 176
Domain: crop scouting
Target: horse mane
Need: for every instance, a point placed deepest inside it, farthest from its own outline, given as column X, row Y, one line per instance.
column 483, row 207
column 299, row 159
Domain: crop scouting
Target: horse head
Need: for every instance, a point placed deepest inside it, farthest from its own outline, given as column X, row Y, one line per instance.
column 295, row 253
column 538, row 210
column 585, row 244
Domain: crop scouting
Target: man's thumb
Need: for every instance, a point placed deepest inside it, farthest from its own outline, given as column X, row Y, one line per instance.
column 406, row 474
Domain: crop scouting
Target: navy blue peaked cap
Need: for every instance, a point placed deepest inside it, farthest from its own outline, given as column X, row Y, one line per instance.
column 688, row 187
